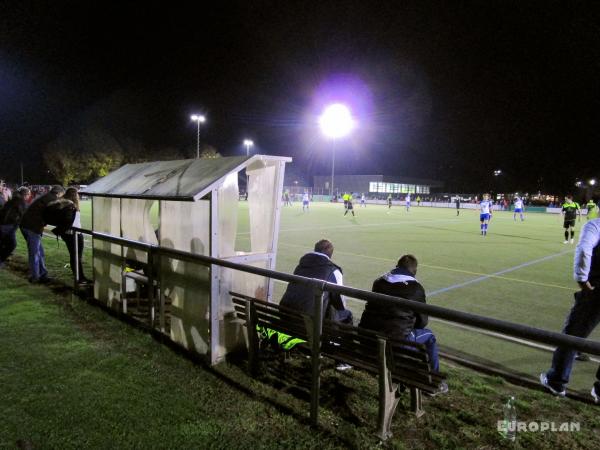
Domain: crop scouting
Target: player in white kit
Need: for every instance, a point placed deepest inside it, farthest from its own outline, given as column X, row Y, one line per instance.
column 518, row 209
column 305, row 202
column 485, row 213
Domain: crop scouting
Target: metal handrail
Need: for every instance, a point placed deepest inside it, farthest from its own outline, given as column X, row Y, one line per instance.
column 475, row 320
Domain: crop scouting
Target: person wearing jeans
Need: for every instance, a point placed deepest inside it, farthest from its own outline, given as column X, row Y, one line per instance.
column 585, row 312
column 37, row 257
column 426, row 337
column 389, row 318
column 32, row 227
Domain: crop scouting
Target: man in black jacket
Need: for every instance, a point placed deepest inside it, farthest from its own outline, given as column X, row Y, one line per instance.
column 10, row 217
column 32, row 227
column 318, row 264
column 397, row 321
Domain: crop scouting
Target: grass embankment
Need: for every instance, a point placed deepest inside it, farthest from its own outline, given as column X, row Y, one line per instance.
column 73, row 376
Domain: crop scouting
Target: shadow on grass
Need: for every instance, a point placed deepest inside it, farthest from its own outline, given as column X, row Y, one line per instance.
column 291, row 381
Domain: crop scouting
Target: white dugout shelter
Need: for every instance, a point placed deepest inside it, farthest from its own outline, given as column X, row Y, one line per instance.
column 197, row 204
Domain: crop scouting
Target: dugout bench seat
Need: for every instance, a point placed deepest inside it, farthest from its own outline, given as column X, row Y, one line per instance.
column 398, row 364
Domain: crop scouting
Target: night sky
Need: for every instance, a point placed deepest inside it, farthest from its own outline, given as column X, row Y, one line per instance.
column 443, row 90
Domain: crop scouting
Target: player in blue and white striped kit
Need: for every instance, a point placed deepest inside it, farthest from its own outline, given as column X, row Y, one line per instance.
column 518, row 209
column 485, row 213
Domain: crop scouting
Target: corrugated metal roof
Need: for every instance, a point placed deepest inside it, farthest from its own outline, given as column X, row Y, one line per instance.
column 184, row 180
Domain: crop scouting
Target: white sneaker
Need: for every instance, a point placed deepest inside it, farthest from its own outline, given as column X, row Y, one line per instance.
column 572, row 241
column 546, row 384
column 595, row 396
column 566, row 242
column 442, row 389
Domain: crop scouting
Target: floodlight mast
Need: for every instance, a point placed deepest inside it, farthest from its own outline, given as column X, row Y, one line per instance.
column 335, row 122
column 198, row 118
column 248, row 143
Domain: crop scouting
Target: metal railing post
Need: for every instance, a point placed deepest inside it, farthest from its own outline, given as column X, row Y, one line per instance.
column 317, row 328
column 76, row 258
column 161, row 297
column 151, row 286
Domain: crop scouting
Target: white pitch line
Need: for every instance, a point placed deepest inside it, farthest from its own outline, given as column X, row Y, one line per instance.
column 419, row 222
column 501, row 272
column 494, row 334
column 503, row 337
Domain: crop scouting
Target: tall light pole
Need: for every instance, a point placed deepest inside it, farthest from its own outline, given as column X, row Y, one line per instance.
column 248, row 143
column 198, row 119
column 335, row 122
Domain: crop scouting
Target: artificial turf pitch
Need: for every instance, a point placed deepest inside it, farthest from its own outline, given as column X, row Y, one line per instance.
column 520, row 272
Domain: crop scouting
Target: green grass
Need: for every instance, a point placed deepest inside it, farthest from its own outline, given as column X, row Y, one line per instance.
column 450, row 251
column 73, row 376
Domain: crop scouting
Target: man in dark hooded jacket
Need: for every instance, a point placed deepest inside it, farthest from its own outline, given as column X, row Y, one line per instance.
column 397, row 321
column 318, row 264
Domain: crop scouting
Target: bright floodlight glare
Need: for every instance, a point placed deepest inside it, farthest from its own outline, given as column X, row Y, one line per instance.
column 248, row 143
column 336, row 121
column 198, row 118
column 592, row 182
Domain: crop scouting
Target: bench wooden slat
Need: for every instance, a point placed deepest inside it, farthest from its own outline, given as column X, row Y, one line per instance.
column 390, row 359
column 279, row 315
column 359, row 345
column 406, row 369
column 240, row 298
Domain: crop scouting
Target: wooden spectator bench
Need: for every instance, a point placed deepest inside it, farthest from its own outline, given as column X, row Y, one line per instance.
column 398, row 364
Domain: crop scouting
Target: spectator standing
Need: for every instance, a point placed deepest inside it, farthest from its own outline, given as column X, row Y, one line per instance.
column 585, row 312
column 3, row 196
column 69, row 237
column 10, row 217
column 32, row 227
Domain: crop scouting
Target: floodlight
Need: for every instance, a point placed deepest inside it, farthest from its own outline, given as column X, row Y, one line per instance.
column 592, row 182
column 248, row 143
column 198, row 118
column 336, row 121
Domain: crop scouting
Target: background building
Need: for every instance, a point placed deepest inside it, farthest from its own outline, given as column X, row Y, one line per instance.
column 375, row 185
